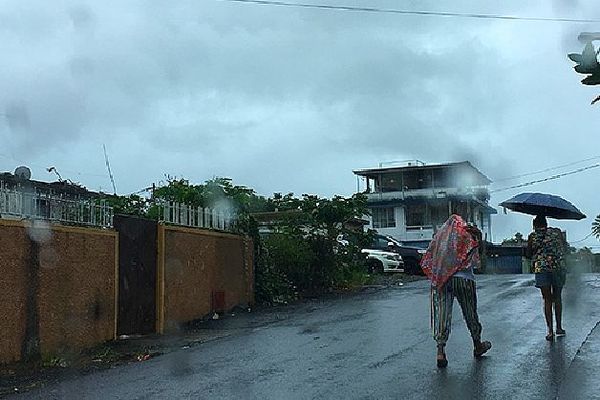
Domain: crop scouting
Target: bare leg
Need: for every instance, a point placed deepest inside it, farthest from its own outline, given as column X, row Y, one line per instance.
column 547, row 296
column 442, row 361
column 558, row 309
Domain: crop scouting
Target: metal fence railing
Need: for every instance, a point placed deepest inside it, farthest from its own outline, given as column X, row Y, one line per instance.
column 26, row 205
column 197, row 217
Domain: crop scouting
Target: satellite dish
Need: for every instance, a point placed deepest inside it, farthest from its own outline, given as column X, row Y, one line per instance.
column 23, row 172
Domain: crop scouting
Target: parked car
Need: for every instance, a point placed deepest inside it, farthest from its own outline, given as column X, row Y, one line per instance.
column 410, row 255
column 383, row 261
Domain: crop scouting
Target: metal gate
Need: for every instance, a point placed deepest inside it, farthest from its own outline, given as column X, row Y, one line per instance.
column 137, row 275
column 504, row 264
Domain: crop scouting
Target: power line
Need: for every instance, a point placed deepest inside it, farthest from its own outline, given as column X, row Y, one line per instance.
column 144, row 190
column 581, row 240
column 409, row 12
column 550, row 178
column 510, row 178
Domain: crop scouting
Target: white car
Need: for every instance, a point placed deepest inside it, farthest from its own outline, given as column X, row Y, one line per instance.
column 383, row 261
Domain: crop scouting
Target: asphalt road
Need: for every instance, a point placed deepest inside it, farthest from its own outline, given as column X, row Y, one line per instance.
column 375, row 346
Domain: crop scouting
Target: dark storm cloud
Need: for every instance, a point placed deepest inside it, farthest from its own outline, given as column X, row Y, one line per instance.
column 275, row 96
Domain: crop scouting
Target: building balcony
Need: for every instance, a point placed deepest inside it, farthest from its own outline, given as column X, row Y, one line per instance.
column 429, row 193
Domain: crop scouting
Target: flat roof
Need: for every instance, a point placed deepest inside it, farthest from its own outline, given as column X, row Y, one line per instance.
column 378, row 170
column 64, row 186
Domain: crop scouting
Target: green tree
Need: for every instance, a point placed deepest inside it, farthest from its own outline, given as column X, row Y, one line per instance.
column 303, row 255
column 129, row 205
column 305, row 245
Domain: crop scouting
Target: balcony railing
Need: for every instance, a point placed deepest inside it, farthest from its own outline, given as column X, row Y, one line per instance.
column 17, row 204
column 197, row 217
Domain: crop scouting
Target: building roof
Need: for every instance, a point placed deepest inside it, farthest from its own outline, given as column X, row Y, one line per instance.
column 65, row 187
column 462, row 164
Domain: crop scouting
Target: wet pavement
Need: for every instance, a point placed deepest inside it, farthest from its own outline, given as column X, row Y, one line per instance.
column 374, row 346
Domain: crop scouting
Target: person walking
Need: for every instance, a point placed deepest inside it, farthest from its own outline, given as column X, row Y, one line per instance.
column 546, row 247
column 449, row 262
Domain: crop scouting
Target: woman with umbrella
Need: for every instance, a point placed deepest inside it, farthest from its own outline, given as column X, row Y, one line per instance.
column 546, row 248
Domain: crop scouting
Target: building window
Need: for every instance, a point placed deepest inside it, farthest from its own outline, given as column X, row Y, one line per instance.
column 418, row 179
column 384, row 218
column 439, row 213
column 442, row 178
column 417, row 215
column 391, row 182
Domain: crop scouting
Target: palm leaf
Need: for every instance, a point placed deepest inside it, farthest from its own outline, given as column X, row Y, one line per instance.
column 596, row 227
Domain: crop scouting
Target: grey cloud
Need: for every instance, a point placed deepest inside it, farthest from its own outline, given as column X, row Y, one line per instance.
column 289, row 98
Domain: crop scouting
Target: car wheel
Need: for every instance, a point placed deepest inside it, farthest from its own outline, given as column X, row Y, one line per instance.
column 375, row 266
column 413, row 267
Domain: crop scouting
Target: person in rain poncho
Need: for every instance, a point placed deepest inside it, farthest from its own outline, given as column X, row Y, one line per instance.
column 449, row 262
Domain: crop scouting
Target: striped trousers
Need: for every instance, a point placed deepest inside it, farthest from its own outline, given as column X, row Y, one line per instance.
column 441, row 308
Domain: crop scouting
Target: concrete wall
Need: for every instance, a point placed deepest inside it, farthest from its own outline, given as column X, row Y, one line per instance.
column 77, row 295
column 193, row 264
column 58, row 289
column 14, row 253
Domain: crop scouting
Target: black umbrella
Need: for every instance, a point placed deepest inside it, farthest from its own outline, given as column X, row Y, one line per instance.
column 543, row 204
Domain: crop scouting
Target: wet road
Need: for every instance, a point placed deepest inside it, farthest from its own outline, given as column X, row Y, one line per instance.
column 376, row 346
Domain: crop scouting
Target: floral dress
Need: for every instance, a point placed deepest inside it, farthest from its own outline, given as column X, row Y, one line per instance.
column 547, row 248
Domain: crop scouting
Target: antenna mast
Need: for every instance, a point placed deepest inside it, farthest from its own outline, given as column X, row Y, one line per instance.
column 112, row 179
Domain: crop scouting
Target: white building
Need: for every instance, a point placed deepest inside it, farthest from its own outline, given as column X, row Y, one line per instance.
column 410, row 202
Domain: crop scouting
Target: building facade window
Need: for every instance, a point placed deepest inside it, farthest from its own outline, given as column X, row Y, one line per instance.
column 384, row 217
column 417, row 215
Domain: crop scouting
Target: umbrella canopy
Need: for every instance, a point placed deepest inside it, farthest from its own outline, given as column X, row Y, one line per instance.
column 543, row 204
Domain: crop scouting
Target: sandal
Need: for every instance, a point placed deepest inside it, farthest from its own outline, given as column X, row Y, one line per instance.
column 550, row 337
column 482, row 348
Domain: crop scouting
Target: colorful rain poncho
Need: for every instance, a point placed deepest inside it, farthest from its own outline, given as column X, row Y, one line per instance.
column 452, row 249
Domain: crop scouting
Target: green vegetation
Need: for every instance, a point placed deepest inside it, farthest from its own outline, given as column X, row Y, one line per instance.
column 300, row 256
column 596, row 227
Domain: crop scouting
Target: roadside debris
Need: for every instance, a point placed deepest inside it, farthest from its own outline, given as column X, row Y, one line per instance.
column 144, row 357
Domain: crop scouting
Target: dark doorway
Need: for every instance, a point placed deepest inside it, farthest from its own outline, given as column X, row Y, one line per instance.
column 137, row 275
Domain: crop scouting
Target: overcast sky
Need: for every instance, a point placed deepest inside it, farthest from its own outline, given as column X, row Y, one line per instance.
column 292, row 100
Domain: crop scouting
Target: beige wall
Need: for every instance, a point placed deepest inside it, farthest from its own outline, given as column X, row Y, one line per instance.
column 195, row 263
column 76, row 286
column 75, row 270
column 77, row 289
column 14, row 253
